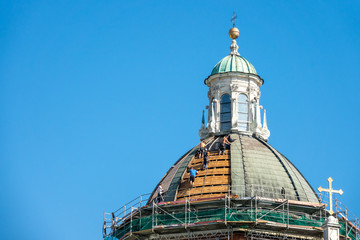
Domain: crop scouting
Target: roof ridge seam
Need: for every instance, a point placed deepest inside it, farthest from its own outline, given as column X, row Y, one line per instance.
column 300, row 175
column 242, row 158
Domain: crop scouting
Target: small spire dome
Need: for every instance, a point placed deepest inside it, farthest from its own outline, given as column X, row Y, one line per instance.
column 233, row 62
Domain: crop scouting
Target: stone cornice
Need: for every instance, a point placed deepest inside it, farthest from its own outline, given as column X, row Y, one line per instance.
column 256, row 78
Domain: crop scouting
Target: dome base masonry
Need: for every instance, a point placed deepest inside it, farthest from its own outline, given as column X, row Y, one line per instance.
column 234, row 184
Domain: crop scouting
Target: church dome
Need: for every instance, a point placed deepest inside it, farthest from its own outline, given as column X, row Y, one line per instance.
column 233, row 63
column 250, row 167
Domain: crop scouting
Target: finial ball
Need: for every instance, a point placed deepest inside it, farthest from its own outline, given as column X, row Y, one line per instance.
column 234, row 33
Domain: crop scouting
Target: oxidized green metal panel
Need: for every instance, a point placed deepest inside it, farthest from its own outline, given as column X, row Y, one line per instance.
column 258, row 169
column 233, row 63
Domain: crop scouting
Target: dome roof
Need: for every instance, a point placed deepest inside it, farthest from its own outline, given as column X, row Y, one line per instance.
column 233, row 63
column 250, row 167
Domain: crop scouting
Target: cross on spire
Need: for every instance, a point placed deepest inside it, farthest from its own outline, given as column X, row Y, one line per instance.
column 233, row 18
column 330, row 191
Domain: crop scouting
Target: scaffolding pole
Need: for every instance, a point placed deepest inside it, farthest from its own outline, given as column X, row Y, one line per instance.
column 152, row 216
column 288, row 213
column 256, row 210
column 185, row 213
column 131, row 215
column 225, row 217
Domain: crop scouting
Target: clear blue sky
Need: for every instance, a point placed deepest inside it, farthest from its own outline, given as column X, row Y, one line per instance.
column 100, row 98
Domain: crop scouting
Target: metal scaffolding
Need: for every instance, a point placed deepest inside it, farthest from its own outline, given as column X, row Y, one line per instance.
column 190, row 219
column 204, row 217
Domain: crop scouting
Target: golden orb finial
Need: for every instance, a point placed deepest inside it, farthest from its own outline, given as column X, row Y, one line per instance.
column 234, row 33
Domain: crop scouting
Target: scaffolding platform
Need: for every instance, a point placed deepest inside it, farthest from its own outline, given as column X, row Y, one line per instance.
column 220, row 216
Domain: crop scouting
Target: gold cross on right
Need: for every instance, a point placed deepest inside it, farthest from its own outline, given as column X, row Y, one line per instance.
column 330, row 191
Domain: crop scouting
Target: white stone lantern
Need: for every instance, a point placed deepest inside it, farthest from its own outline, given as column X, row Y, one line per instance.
column 234, row 97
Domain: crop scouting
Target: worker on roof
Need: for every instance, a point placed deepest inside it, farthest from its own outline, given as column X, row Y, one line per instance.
column 192, row 176
column 104, row 228
column 206, row 159
column 113, row 220
column 160, row 197
column 223, row 144
column 202, row 148
column 283, row 192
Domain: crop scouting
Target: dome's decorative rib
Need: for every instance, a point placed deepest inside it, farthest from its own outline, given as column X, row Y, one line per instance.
column 233, row 63
column 177, row 172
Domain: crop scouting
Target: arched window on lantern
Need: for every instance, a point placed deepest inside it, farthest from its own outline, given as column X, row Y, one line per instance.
column 243, row 113
column 225, row 113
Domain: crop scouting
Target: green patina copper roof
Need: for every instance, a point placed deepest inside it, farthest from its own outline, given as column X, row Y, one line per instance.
column 233, row 63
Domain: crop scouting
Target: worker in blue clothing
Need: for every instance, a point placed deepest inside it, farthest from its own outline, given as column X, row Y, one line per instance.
column 192, row 176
